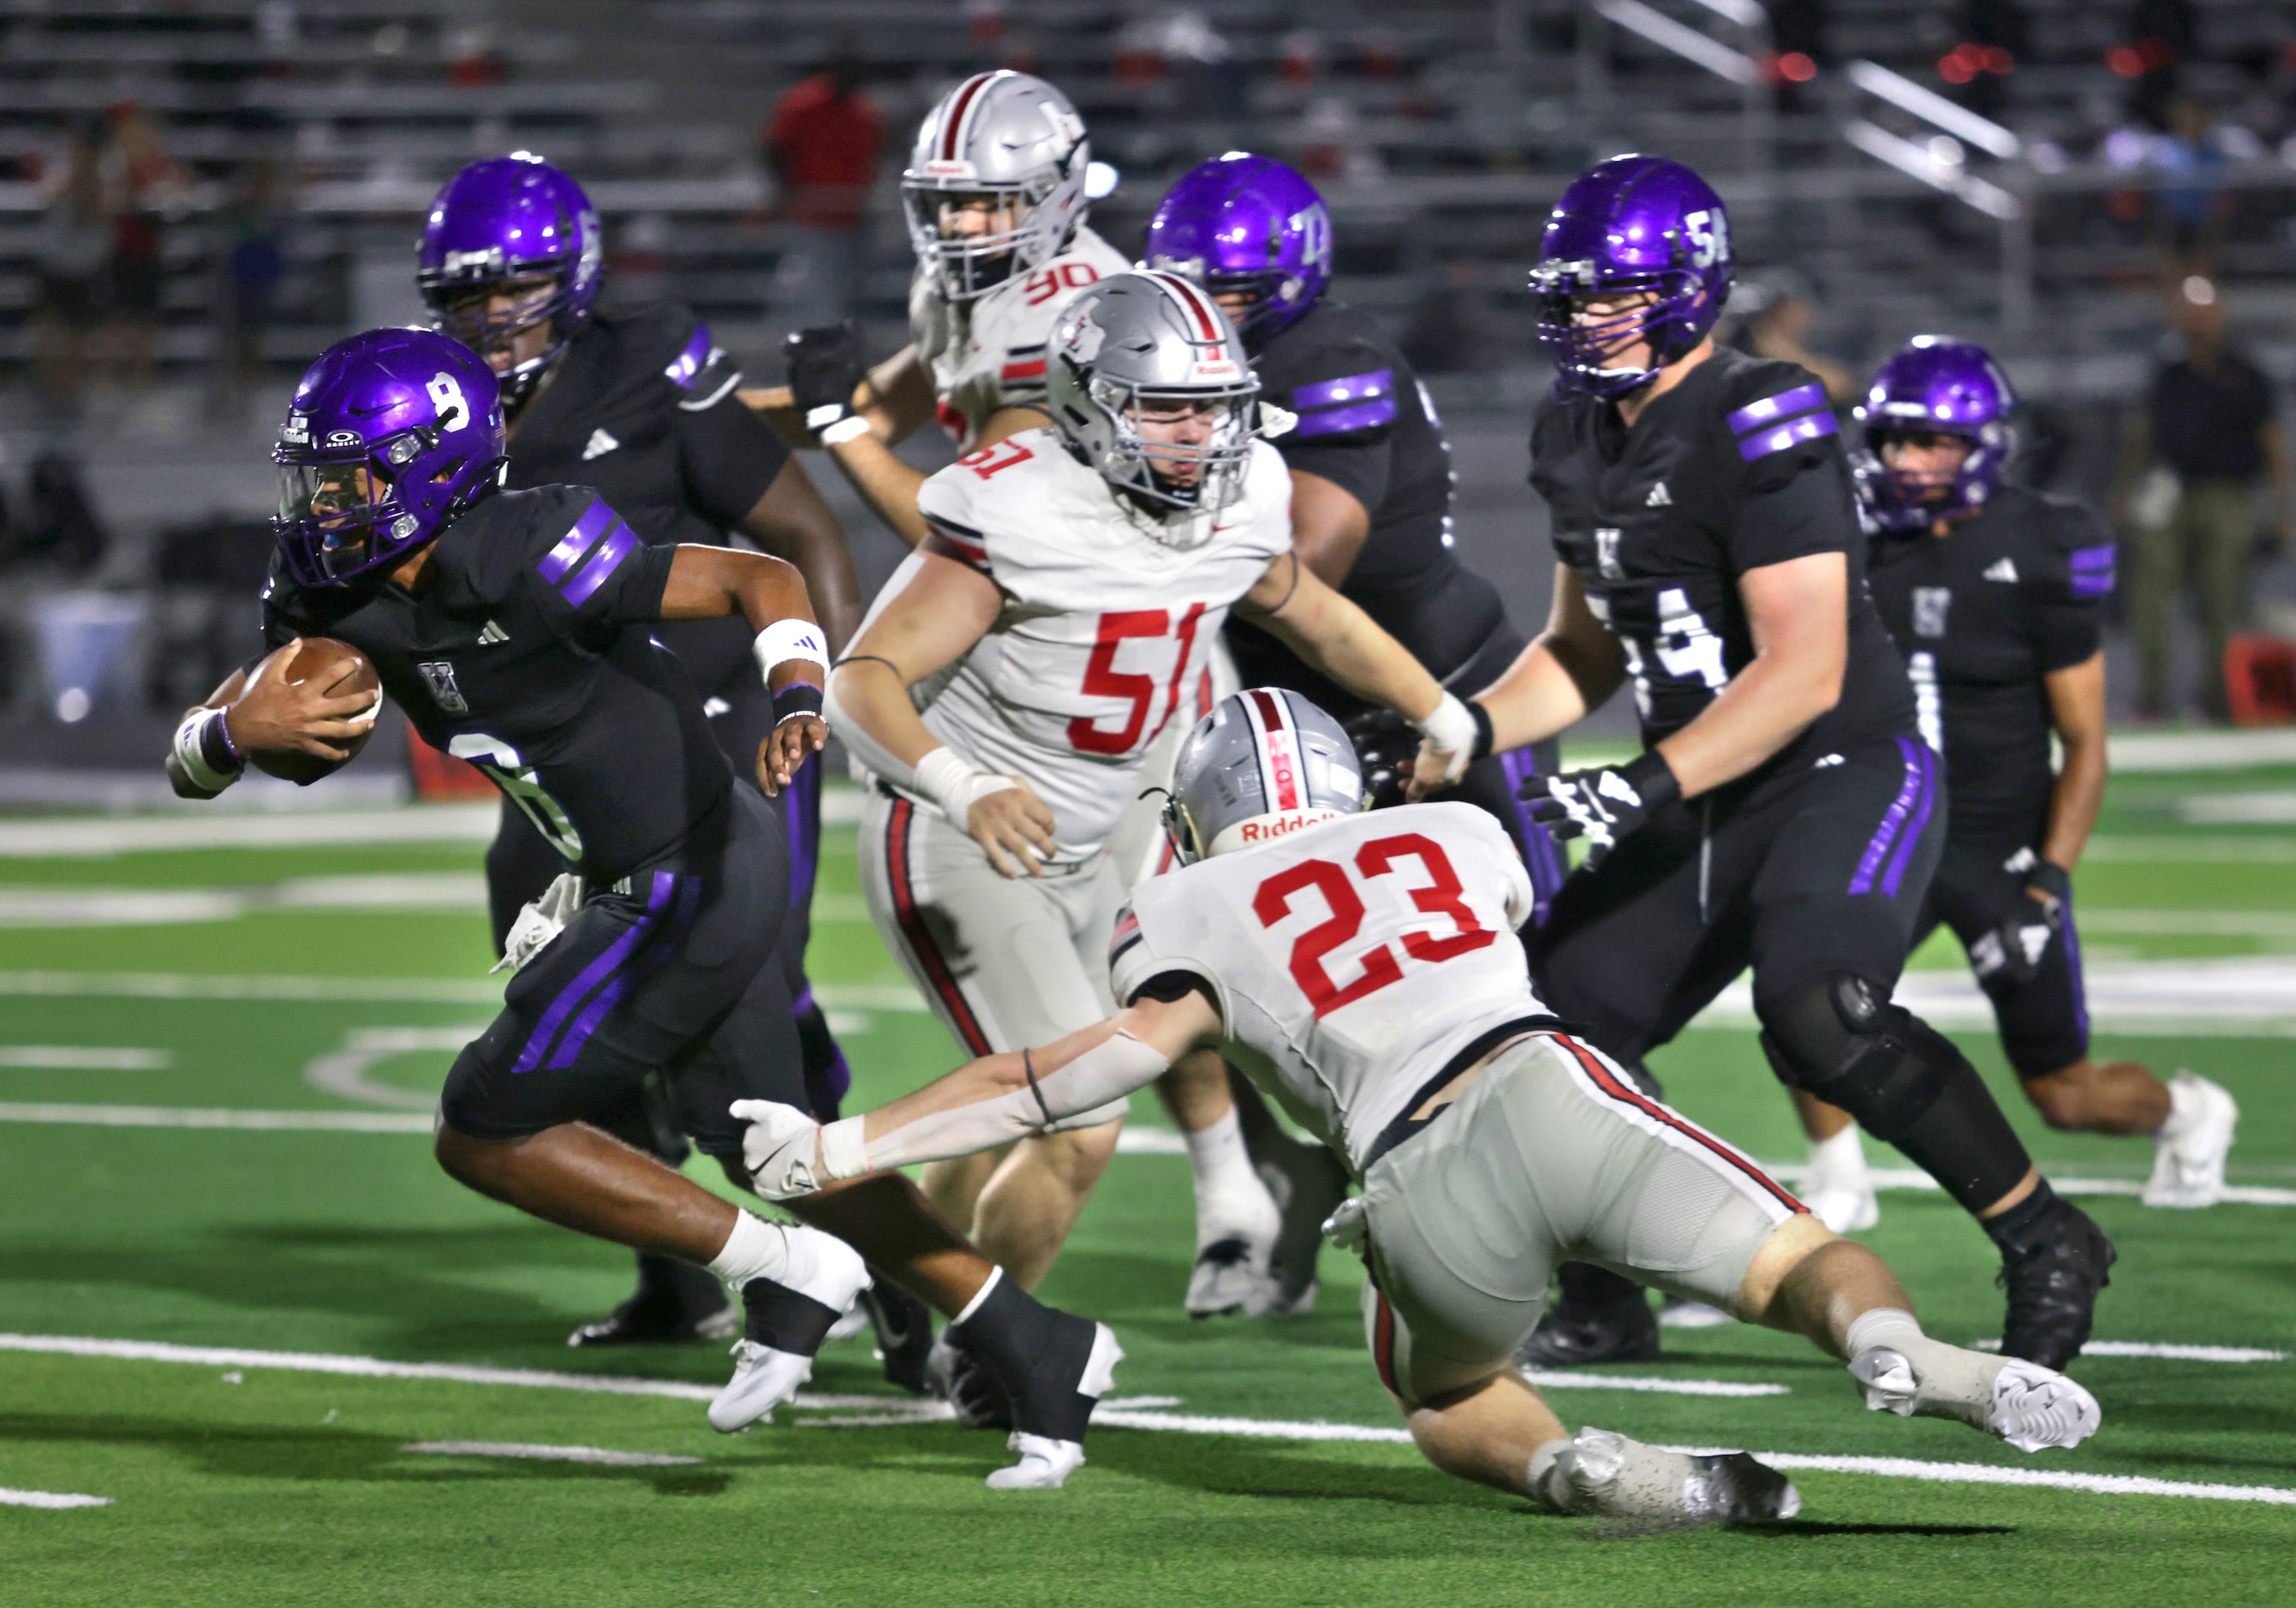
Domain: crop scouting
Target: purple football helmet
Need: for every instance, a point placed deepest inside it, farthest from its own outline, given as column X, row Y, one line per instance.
column 1629, row 224
column 390, row 435
column 1248, row 225
column 497, row 222
column 1936, row 386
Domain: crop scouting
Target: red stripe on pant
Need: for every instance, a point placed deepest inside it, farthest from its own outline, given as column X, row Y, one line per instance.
column 919, row 935
column 1382, row 1346
column 1626, row 1094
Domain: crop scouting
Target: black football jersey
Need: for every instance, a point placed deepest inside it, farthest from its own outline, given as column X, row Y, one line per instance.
column 1983, row 615
column 1367, row 425
column 529, row 654
column 641, row 409
column 1738, row 467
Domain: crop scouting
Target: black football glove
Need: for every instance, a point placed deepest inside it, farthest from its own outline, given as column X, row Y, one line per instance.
column 1386, row 744
column 1603, row 804
column 2011, row 949
column 826, row 367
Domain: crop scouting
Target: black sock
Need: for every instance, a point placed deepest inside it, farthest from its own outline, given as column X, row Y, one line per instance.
column 2014, row 1226
column 786, row 1319
column 1040, row 1352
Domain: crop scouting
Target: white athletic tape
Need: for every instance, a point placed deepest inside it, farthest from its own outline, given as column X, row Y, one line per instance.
column 532, row 1453
column 49, row 1499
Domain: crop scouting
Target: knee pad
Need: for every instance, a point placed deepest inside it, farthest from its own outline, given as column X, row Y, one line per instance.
column 1840, row 1039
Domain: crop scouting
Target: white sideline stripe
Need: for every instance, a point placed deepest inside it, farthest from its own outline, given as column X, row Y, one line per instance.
column 2174, row 1353
column 49, row 1499
column 1265, row 1428
column 2198, row 751
column 129, row 834
column 364, row 990
column 2262, row 850
column 545, row 1454
column 210, row 1116
column 84, row 1058
column 1906, row 1177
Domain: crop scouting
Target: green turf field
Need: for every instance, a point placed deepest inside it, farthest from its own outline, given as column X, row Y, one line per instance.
column 209, row 981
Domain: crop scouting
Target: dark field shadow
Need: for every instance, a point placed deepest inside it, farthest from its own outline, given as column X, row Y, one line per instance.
column 257, row 1453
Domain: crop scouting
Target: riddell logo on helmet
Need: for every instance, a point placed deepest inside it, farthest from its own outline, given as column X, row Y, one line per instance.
column 947, row 168
column 1283, row 825
column 1214, row 370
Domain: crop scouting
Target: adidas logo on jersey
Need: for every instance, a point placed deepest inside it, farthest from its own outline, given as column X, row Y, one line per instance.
column 599, row 445
column 491, row 634
column 1659, row 498
column 2002, row 569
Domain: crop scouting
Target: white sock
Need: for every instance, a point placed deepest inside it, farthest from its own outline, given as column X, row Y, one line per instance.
column 756, row 1249
column 1227, row 1190
column 1839, row 1161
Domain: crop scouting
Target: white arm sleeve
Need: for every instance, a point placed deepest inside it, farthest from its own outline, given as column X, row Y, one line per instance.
column 872, row 755
column 1086, row 1091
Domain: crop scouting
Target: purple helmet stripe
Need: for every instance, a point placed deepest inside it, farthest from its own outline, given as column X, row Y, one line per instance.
column 687, row 364
column 619, row 545
column 593, row 975
column 1337, row 421
column 1877, row 850
column 1799, row 400
column 1910, row 838
column 576, row 542
column 1808, row 427
column 1347, row 388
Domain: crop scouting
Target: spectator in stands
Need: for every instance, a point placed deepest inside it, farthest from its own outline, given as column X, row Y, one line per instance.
column 821, row 144
column 140, row 181
column 1770, row 314
column 2193, row 208
column 75, row 243
column 253, row 223
column 2207, row 440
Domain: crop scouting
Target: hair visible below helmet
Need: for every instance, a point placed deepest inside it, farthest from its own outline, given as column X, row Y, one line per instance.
column 998, row 135
column 1248, row 225
column 1263, row 765
column 1134, row 339
column 507, row 218
column 1936, row 385
column 391, row 433
column 1630, row 224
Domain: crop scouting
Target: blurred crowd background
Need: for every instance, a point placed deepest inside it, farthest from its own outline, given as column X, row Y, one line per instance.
column 196, row 196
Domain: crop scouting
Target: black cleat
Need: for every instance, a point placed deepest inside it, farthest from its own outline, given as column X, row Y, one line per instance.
column 2052, row 1275
column 674, row 1302
column 1597, row 1317
column 1308, row 1183
column 955, row 1372
column 904, row 1334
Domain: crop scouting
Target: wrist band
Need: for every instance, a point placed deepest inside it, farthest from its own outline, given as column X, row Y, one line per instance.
column 849, row 428
column 844, row 1153
column 788, row 639
column 1482, row 718
column 194, row 753
column 798, row 698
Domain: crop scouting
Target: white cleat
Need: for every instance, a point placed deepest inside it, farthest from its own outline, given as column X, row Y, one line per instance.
column 2036, row 1408
column 1231, row 1275
column 1844, row 1210
column 1045, row 1464
column 856, row 1322
column 2189, row 1151
column 1692, row 1314
column 1602, row 1474
column 2031, row 1407
column 1837, row 1188
column 763, row 1380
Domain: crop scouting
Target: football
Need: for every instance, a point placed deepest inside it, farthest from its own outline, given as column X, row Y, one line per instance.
column 336, row 667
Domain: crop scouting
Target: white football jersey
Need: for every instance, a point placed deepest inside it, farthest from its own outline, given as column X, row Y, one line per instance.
column 990, row 353
column 1351, row 959
column 1106, row 631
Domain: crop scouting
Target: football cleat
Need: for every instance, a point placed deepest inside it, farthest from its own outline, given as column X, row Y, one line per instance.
column 2031, row 1407
column 1045, row 1464
column 904, row 1333
column 2052, row 1279
column 2189, row 1151
column 1598, row 1317
column 1602, row 1474
column 1053, row 1367
column 957, row 1375
column 675, row 1302
column 1308, row 1183
column 1230, row 1276
column 784, row 1324
column 1837, row 1188
column 1677, row 1314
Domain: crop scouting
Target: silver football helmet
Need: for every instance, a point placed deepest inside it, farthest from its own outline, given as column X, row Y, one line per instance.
column 1261, row 766
column 1000, row 139
column 1153, row 342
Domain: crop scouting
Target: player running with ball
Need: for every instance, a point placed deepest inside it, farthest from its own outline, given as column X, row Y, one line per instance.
column 515, row 630
column 1360, row 969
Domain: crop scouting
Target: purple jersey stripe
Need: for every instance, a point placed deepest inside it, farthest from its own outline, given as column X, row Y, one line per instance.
column 2099, row 557
column 576, row 542
column 2092, row 570
column 1347, row 388
column 687, row 365
column 2093, row 586
column 1337, row 421
column 1910, row 838
column 611, row 551
column 660, row 951
column 1869, row 864
column 1800, row 399
column 597, row 972
column 1808, row 427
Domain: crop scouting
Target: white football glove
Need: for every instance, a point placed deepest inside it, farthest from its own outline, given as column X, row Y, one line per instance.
column 540, row 922
column 778, row 1148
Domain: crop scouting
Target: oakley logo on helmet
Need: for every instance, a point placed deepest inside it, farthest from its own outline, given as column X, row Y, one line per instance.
column 338, row 438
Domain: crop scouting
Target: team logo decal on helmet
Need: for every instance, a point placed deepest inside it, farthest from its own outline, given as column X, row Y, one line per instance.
column 996, row 183
column 1935, row 386
column 390, row 434
column 1647, row 236
column 1151, row 349
column 510, row 242
column 1248, row 225
column 1263, row 765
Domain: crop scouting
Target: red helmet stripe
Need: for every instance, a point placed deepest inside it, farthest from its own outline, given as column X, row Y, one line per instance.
column 953, row 125
column 1279, row 749
column 1207, row 325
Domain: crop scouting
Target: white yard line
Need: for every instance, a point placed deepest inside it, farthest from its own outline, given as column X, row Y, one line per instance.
column 210, row 1116
column 547, row 1453
column 871, row 1411
column 49, row 1499
column 1906, row 1177
column 77, row 836
column 891, row 995
column 2262, row 850
column 84, row 1058
column 2173, row 1353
